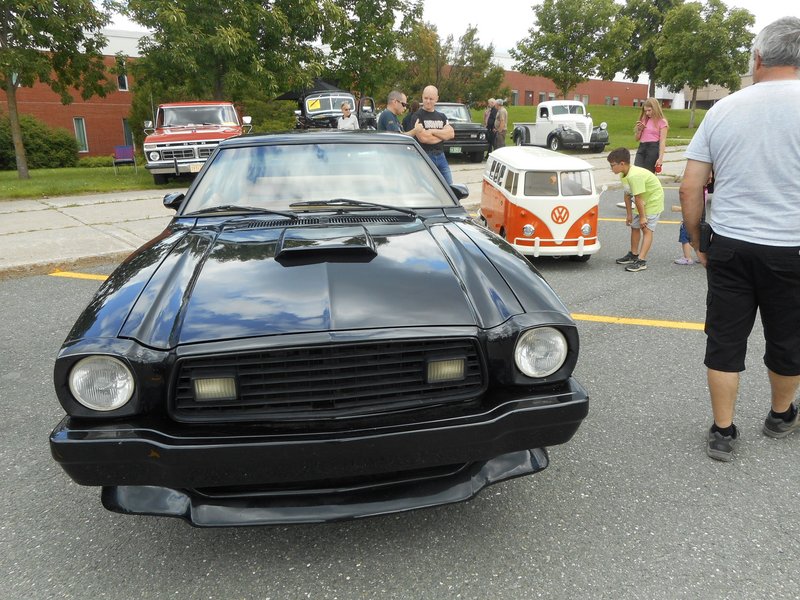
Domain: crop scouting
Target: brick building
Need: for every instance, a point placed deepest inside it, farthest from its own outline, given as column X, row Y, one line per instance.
column 527, row 90
column 98, row 124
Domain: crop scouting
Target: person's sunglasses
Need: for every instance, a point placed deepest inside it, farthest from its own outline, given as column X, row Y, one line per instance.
column 404, row 104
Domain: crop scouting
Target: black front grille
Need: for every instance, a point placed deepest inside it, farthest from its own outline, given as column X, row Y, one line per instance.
column 319, row 382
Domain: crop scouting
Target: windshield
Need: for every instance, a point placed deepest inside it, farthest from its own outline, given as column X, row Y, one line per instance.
column 545, row 183
column 182, row 116
column 457, row 113
column 274, row 177
column 328, row 103
column 567, row 109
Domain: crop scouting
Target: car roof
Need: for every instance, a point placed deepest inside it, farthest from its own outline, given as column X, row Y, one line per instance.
column 195, row 103
column 561, row 103
column 533, row 158
column 316, row 136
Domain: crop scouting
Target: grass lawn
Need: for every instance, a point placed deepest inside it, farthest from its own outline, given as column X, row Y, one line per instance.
column 74, row 181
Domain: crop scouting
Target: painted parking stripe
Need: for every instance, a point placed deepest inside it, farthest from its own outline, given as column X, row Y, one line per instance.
column 73, row 275
column 640, row 322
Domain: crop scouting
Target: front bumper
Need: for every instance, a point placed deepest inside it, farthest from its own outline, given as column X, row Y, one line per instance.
column 122, row 454
column 172, row 168
column 229, row 508
column 465, row 146
column 534, row 247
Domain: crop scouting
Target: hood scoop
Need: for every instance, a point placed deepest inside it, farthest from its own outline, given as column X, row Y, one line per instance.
column 324, row 241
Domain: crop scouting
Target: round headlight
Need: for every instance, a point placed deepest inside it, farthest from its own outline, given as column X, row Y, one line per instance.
column 481, row 136
column 154, row 156
column 101, row 383
column 527, row 230
column 586, row 229
column 540, row 352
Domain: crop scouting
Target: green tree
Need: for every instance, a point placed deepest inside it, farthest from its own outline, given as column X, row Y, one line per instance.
column 573, row 40
column 231, row 49
column 423, row 59
column 363, row 50
column 647, row 17
column 704, row 45
column 472, row 76
column 56, row 42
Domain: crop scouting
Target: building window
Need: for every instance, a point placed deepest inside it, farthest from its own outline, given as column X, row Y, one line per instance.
column 514, row 97
column 586, row 99
column 127, row 134
column 615, row 101
column 552, row 95
column 122, row 83
column 528, row 98
column 608, row 100
column 80, row 134
column 577, row 97
column 542, row 96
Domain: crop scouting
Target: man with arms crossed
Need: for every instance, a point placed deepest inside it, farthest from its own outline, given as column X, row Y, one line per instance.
column 752, row 141
column 436, row 130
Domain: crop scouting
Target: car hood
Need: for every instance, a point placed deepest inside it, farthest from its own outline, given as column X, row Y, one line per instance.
column 198, row 133
column 256, row 279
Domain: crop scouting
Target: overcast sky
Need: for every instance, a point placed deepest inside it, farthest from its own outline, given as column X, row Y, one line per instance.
column 505, row 22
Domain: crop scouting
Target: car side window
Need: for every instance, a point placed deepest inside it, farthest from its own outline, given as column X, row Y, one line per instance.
column 499, row 175
column 511, row 181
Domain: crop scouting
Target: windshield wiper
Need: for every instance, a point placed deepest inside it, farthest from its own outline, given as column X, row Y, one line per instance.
column 348, row 203
column 233, row 208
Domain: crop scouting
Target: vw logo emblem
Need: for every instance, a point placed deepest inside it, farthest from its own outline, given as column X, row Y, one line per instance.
column 559, row 215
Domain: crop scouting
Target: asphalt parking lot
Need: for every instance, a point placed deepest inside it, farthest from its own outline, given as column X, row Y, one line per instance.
column 631, row 507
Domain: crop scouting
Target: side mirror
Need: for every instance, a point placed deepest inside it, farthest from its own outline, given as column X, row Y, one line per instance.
column 297, row 113
column 460, row 190
column 247, row 120
column 148, row 124
column 173, row 201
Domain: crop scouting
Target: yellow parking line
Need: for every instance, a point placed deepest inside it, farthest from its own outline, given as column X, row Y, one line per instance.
column 73, row 275
column 618, row 220
column 642, row 322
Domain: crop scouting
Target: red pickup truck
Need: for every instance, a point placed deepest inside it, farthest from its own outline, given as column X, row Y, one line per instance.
column 186, row 133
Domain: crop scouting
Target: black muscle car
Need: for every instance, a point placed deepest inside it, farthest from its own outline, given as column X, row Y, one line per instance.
column 322, row 332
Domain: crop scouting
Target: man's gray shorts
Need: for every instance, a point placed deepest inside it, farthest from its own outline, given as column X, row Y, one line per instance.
column 652, row 221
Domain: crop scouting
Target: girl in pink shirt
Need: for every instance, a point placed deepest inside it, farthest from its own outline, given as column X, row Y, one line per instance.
column 651, row 132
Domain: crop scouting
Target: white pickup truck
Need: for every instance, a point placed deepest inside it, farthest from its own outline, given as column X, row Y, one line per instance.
column 562, row 124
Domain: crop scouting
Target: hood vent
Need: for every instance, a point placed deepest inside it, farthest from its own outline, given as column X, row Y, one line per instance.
column 337, row 220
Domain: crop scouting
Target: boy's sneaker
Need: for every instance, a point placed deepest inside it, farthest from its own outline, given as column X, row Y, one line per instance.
column 628, row 259
column 776, row 427
column 720, row 447
column 637, row 265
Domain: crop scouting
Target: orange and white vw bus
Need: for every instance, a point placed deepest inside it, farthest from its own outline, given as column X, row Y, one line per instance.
column 542, row 202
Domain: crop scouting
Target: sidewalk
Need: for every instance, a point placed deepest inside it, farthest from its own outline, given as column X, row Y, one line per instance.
column 45, row 235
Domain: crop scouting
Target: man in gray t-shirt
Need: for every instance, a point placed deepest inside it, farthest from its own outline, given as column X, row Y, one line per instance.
column 751, row 140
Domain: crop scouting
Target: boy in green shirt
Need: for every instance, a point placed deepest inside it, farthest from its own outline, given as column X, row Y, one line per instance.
column 648, row 195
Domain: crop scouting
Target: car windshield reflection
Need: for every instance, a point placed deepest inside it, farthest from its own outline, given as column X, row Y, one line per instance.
column 276, row 176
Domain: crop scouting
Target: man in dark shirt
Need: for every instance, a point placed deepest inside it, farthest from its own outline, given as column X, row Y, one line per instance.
column 388, row 121
column 490, row 119
column 434, row 131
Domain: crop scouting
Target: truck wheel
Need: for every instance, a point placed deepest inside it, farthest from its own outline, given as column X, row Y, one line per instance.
column 597, row 148
column 160, row 179
column 476, row 157
column 555, row 143
column 518, row 140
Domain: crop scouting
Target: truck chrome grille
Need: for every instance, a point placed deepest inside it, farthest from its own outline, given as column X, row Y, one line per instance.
column 329, row 381
column 179, row 153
